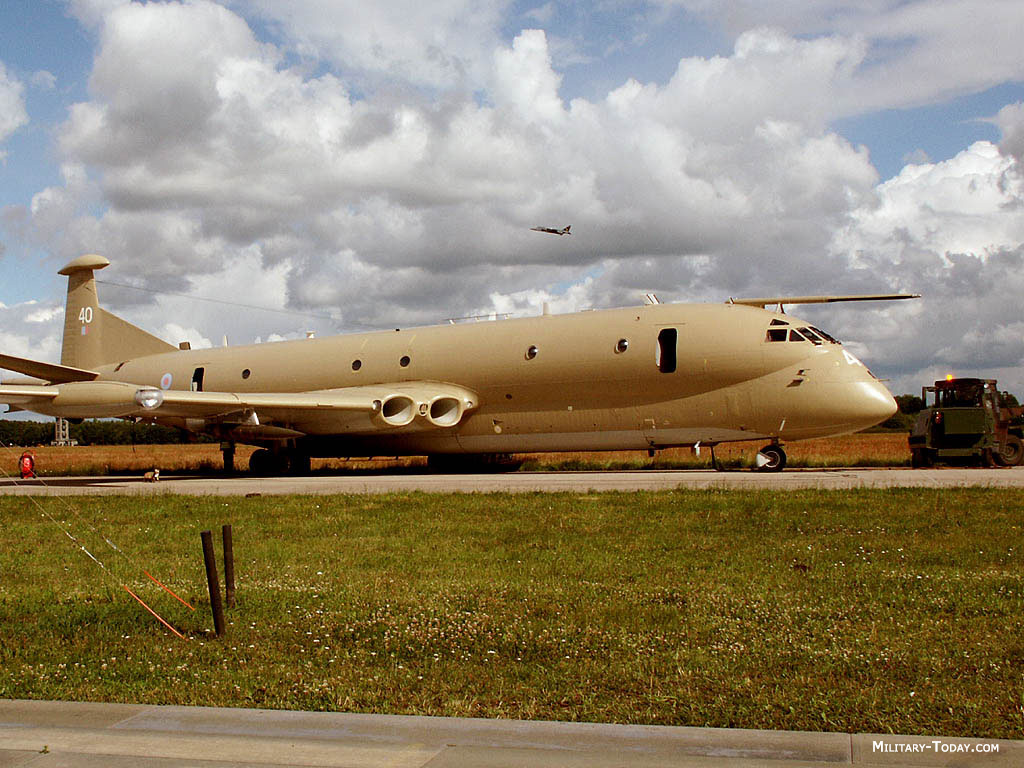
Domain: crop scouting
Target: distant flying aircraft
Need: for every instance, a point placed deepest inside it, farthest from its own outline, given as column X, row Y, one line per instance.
column 552, row 231
column 645, row 377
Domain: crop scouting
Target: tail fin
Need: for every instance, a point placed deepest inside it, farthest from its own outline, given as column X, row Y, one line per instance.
column 93, row 336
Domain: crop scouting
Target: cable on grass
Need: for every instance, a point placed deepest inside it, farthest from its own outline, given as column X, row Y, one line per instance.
column 158, row 616
column 106, row 571
column 168, row 590
column 75, row 512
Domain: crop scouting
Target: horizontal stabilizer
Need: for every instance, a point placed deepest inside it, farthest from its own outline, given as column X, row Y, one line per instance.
column 57, row 374
column 781, row 300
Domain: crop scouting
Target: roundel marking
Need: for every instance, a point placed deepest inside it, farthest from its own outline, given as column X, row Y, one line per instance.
column 165, row 381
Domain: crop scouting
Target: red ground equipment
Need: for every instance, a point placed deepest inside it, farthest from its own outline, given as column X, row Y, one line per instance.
column 27, row 465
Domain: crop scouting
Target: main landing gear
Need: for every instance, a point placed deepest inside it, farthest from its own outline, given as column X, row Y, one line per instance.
column 771, row 458
column 266, row 462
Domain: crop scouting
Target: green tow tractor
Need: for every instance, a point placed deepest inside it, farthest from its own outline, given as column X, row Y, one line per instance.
column 967, row 421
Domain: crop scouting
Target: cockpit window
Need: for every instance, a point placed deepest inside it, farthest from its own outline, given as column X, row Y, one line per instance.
column 825, row 335
column 811, row 336
column 778, row 332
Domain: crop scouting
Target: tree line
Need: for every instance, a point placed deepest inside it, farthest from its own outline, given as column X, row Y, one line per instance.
column 93, row 432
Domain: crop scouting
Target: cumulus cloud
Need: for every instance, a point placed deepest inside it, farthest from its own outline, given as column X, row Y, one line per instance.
column 44, row 80
column 1010, row 122
column 12, row 106
column 31, row 329
column 231, row 148
column 917, row 50
column 953, row 231
column 440, row 44
column 393, row 188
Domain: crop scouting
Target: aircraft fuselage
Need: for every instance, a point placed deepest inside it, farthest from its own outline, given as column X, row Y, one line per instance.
column 646, row 377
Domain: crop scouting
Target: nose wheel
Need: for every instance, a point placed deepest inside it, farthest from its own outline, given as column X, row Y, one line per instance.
column 771, row 458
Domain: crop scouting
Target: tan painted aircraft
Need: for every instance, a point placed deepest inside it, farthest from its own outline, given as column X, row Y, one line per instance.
column 623, row 379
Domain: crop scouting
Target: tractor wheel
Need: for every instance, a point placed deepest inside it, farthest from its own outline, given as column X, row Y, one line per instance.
column 917, row 458
column 771, row 458
column 1011, row 452
column 921, row 458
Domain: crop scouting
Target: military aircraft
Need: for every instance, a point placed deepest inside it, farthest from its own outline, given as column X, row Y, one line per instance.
column 645, row 377
column 552, row 231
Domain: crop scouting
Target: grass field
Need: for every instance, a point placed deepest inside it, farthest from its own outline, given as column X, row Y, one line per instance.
column 863, row 611
column 863, row 449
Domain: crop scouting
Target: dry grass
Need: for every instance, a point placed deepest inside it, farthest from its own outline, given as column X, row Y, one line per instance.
column 864, row 449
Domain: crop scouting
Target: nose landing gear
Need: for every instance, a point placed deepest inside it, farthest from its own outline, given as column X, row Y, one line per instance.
column 771, row 458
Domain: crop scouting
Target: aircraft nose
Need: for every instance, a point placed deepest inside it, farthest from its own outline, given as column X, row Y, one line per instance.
column 858, row 399
column 869, row 403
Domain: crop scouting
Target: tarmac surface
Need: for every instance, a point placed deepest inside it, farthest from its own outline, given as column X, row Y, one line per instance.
column 51, row 734
column 518, row 482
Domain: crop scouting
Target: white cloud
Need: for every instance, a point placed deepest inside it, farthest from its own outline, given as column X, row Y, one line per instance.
column 43, row 80
column 1010, row 122
column 918, row 51
column 954, row 232
column 31, row 330
column 206, row 160
column 12, row 106
column 233, row 150
column 441, row 44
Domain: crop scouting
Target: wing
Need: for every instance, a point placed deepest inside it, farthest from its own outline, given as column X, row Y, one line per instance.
column 401, row 407
column 823, row 299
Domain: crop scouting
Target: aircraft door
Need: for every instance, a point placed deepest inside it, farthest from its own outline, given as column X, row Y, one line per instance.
column 197, row 379
column 665, row 353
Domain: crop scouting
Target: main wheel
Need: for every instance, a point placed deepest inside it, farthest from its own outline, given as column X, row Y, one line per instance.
column 266, row 462
column 472, row 463
column 299, row 464
column 1011, row 452
column 771, row 458
column 262, row 462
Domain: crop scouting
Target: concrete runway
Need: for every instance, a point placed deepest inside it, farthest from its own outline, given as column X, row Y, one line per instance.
column 84, row 735
column 520, row 482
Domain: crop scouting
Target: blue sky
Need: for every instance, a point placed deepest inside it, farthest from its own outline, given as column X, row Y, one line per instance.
column 383, row 163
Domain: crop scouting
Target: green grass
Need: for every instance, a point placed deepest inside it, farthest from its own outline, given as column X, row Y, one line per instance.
column 864, row 611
